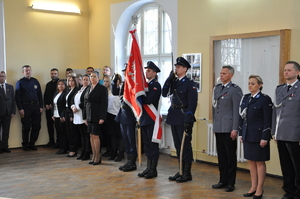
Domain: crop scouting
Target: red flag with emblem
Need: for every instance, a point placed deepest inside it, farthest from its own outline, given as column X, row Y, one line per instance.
column 135, row 85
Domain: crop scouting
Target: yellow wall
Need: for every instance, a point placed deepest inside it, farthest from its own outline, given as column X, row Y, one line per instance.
column 43, row 40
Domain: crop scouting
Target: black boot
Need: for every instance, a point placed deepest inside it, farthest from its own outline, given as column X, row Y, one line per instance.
column 86, row 156
column 147, row 169
column 177, row 175
column 131, row 166
column 81, row 155
column 152, row 172
column 125, row 165
column 187, row 176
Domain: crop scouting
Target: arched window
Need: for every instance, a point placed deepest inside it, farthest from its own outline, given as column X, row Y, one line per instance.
column 154, row 31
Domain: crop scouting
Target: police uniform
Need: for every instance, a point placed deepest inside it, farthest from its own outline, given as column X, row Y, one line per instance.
column 226, row 100
column 127, row 122
column 147, row 125
column 255, row 125
column 29, row 98
column 181, row 116
column 286, row 129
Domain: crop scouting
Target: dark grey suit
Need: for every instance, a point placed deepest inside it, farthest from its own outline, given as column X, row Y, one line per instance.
column 286, row 129
column 226, row 119
column 7, row 108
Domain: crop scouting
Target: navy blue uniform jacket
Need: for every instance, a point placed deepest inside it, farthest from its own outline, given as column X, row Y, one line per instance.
column 152, row 97
column 187, row 96
column 257, row 124
column 125, row 114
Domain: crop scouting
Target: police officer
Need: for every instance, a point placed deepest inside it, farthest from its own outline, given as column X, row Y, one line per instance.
column 180, row 116
column 147, row 123
column 51, row 87
column 127, row 122
column 226, row 101
column 286, row 131
column 30, row 104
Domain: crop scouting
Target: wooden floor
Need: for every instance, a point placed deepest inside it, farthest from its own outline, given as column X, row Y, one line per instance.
column 43, row 174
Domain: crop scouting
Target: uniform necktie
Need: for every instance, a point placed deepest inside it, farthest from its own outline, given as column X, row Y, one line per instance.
column 289, row 87
column 223, row 87
column 2, row 90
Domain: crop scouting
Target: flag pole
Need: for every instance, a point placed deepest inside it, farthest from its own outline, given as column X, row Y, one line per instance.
column 134, row 21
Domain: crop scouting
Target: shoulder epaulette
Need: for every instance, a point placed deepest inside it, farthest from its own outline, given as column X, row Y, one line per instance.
column 219, row 84
column 234, row 85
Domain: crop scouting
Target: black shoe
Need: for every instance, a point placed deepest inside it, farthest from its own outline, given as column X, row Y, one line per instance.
column 81, row 155
column 112, row 157
column 174, row 177
column 129, row 167
column 91, row 162
column 143, row 173
column 219, row 185
column 26, row 148
column 61, row 151
column 96, row 163
column 258, row 197
column 6, row 150
column 249, row 194
column 33, row 148
column 50, row 144
column 230, row 188
column 151, row 174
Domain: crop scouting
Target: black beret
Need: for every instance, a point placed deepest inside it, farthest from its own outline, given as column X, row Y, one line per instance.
column 151, row 65
column 125, row 66
column 182, row 62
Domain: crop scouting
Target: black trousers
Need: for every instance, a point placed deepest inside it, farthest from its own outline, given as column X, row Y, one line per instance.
column 85, row 137
column 151, row 148
column 5, row 125
column 117, row 144
column 72, row 134
column 31, row 124
column 50, row 125
column 128, row 134
column 61, row 133
column 289, row 156
column 226, row 148
column 177, row 133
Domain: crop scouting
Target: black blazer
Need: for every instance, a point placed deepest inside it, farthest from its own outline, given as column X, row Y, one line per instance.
column 70, row 101
column 95, row 104
column 61, row 104
column 7, row 102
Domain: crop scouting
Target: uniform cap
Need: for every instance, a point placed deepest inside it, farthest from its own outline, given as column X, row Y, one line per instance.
column 152, row 66
column 182, row 62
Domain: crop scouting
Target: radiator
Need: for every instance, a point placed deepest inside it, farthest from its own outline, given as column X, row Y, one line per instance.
column 212, row 147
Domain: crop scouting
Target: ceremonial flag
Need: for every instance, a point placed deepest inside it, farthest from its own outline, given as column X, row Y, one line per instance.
column 135, row 85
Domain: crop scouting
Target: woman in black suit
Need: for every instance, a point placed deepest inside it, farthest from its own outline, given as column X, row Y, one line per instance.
column 77, row 107
column 72, row 132
column 94, row 114
column 58, row 116
column 255, row 132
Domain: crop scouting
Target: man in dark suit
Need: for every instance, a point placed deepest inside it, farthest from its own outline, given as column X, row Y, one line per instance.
column 7, row 110
column 286, row 130
column 29, row 101
column 226, row 101
column 181, row 114
column 51, row 88
column 147, row 123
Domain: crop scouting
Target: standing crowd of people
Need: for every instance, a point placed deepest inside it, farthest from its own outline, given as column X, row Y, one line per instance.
column 88, row 112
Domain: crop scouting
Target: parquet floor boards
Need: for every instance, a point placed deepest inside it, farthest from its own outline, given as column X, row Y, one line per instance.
column 42, row 174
